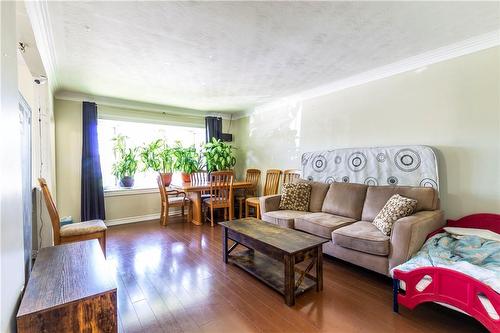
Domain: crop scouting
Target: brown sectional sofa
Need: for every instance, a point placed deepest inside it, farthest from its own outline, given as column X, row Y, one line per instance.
column 343, row 213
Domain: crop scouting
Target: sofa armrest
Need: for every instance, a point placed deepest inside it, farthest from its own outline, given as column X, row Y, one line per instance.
column 269, row 203
column 409, row 234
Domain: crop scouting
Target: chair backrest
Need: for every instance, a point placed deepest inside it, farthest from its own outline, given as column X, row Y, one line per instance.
column 221, row 187
column 272, row 181
column 163, row 191
column 51, row 207
column 289, row 176
column 253, row 176
column 199, row 177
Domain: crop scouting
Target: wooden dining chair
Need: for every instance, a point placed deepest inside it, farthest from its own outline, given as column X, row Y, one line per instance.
column 200, row 177
column 252, row 176
column 74, row 232
column 172, row 199
column 270, row 187
column 291, row 175
column 221, row 195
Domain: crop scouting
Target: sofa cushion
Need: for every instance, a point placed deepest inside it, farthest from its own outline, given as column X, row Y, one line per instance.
column 345, row 199
column 394, row 209
column 284, row 218
column 295, row 196
column 318, row 193
column 377, row 196
column 362, row 236
column 321, row 224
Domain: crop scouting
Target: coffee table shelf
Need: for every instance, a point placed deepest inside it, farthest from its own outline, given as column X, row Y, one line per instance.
column 267, row 270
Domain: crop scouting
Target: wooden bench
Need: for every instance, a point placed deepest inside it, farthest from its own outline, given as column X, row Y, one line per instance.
column 70, row 290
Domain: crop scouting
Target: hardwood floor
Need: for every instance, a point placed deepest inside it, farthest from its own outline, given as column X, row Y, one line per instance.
column 172, row 279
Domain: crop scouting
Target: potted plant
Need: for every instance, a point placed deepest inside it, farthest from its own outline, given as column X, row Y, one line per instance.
column 167, row 164
column 186, row 160
column 218, row 155
column 126, row 165
column 158, row 156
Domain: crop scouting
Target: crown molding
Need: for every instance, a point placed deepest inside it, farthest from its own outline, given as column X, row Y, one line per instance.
column 38, row 14
column 135, row 105
column 448, row 52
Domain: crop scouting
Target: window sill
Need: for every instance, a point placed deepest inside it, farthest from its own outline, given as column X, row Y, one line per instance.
column 116, row 192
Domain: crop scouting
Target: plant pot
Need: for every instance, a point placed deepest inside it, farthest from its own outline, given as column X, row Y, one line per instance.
column 127, row 182
column 186, row 177
column 167, row 178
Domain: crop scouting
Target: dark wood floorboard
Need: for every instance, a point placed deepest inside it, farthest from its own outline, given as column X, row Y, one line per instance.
column 172, row 279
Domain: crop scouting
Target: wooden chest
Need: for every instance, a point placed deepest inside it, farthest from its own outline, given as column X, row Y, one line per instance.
column 70, row 290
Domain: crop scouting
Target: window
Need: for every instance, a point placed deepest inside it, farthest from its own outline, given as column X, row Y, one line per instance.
column 137, row 135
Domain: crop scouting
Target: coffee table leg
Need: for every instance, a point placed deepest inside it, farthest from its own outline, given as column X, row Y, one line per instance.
column 224, row 244
column 319, row 268
column 290, row 280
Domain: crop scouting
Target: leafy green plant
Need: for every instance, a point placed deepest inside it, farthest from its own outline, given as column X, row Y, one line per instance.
column 218, row 155
column 167, row 159
column 125, row 158
column 186, row 158
column 150, row 155
column 157, row 156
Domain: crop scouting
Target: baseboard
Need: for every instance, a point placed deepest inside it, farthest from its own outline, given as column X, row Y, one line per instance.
column 143, row 218
column 132, row 219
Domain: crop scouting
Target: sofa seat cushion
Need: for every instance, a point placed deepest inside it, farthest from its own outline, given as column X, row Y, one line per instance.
column 362, row 236
column 285, row 218
column 82, row 228
column 321, row 224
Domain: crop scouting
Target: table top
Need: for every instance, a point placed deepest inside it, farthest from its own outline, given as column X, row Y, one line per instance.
column 282, row 238
column 64, row 274
column 203, row 186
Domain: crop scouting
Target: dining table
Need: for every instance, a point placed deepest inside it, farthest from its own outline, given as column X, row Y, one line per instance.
column 194, row 191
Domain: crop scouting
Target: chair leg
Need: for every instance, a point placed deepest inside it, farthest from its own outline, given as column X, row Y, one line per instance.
column 246, row 209
column 102, row 242
column 190, row 211
column 257, row 211
column 225, row 214
column 182, row 210
column 162, row 213
column 241, row 209
column 211, row 216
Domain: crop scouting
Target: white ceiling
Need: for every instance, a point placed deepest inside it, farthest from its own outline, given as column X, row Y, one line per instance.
column 237, row 55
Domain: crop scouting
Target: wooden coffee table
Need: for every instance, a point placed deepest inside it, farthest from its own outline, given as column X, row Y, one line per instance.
column 272, row 253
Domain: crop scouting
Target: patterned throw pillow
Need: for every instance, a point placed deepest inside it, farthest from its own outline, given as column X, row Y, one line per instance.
column 395, row 208
column 295, row 196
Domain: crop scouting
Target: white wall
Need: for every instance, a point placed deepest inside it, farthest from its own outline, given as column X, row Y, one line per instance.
column 11, row 216
column 43, row 158
column 453, row 106
column 38, row 97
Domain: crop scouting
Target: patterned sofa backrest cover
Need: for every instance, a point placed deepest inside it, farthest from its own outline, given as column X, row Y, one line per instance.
column 393, row 165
